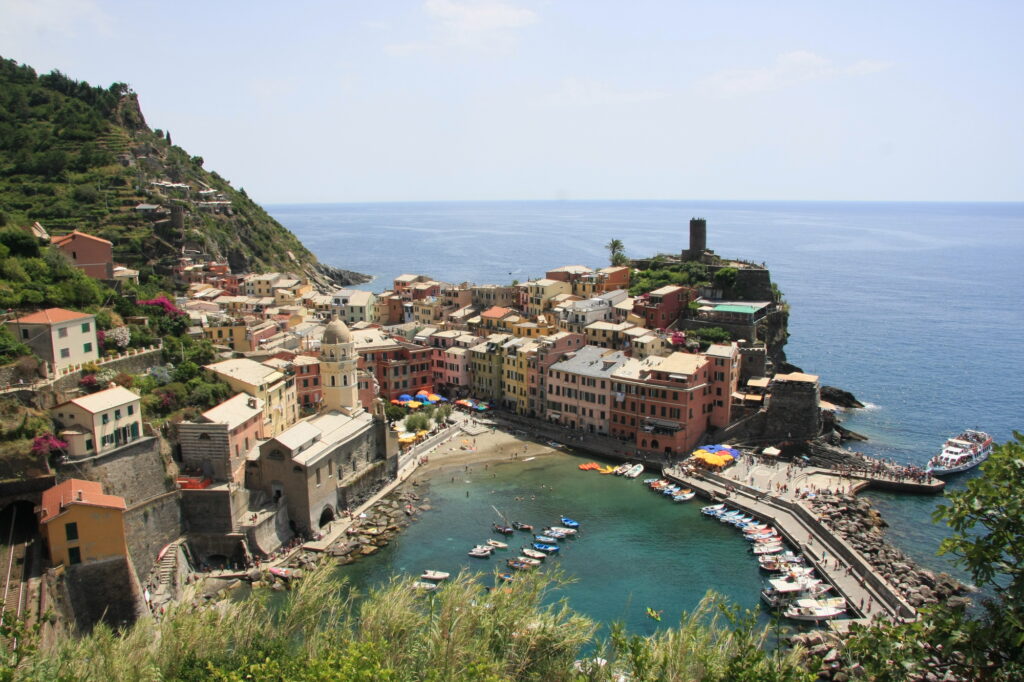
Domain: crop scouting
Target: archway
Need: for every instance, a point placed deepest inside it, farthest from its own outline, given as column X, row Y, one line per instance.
column 326, row 516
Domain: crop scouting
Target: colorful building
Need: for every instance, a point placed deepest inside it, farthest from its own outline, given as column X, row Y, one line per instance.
column 92, row 255
column 660, row 309
column 216, row 443
column 100, row 422
column 80, row 524
column 62, row 338
column 579, row 389
column 275, row 391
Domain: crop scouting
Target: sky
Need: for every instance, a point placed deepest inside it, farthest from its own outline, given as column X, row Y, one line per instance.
column 434, row 100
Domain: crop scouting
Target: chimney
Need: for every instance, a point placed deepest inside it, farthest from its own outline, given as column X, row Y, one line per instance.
column 80, row 498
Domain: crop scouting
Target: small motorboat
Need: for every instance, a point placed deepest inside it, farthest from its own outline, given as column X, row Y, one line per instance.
column 770, row 540
column 656, row 615
column 556, row 534
column 434, row 575
column 671, row 490
column 563, row 529
column 504, row 530
column 658, row 484
column 497, row 544
column 480, row 552
column 546, row 548
column 757, row 529
column 712, row 508
column 569, row 523
column 534, row 554
column 622, row 469
column 768, row 549
column 506, row 577
column 424, row 586
column 832, row 602
column 649, row 481
column 546, row 539
column 815, row 614
column 517, row 565
column 528, row 560
column 684, row 496
column 634, row 471
column 519, row 525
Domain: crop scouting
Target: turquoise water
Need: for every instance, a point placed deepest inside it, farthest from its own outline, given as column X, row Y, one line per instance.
column 636, row 548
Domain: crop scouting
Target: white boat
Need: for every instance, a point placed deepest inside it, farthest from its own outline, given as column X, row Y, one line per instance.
column 563, row 529
column 683, row 497
column 621, row 470
column 534, row 554
column 481, row 551
column 813, row 613
column 833, row 602
column 768, row 549
column 528, row 561
column 960, row 453
column 434, row 575
column 634, row 471
column 424, row 586
column 498, row 544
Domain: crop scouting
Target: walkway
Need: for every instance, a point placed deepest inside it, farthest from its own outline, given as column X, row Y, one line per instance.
column 851, row 574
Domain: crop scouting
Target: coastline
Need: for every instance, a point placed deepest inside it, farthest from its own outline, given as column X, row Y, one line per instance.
column 467, row 453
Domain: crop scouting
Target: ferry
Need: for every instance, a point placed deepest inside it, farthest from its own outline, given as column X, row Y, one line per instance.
column 960, row 453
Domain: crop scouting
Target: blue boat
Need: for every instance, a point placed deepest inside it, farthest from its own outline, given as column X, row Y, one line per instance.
column 547, row 549
column 569, row 523
column 547, row 539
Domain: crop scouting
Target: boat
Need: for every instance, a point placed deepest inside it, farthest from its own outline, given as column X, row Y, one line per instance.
column 563, row 529
column 774, row 548
column 527, row 560
column 684, row 496
column 770, row 540
column 606, row 469
column 424, row 586
column 497, row 544
column 787, row 557
column 546, row 539
column 814, row 614
column 622, row 469
column 832, row 602
column 712, row 509
column 589, row 466
column 546, row 548
column 506, row 577
column 283, row 573
column 434, row 575
column 671, row 489
column 517, row 565
column 569, row 523
column 658, row 484
column 960, row 453
column 519, row 525
column 634, row 471
column 534, row 554
column 656, row 615
column 504, row 530
column 759, row 535
column 552, row 533
column 649, row 481
column 756, row 528
column 480, row 552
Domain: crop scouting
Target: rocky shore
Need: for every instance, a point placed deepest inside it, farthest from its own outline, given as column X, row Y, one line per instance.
column 857, row 522
column 379, row 525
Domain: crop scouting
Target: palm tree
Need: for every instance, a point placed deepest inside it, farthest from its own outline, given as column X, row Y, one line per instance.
column 615, row 250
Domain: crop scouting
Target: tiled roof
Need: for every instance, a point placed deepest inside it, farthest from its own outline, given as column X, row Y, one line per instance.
column 105, row 400
column 52, row 316
column 75, row 491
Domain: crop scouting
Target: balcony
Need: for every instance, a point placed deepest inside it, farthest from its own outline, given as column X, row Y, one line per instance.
column 663, row 427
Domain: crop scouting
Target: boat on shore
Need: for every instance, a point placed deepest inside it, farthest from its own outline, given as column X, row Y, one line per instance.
column 960, row 453
column 434, row 575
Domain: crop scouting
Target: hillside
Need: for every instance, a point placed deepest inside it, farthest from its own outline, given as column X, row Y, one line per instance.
column 75, row 156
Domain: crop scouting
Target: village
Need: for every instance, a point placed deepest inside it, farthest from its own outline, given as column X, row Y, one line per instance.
column 330, row 395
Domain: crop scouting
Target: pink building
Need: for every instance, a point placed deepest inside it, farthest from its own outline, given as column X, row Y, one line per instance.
column 579, row 389
column 307, row 380
column 548, row 351
column 216, row 443
column 661, row 307
column 92, row 255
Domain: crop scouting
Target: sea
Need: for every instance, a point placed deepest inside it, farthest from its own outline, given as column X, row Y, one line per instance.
column 917, row 308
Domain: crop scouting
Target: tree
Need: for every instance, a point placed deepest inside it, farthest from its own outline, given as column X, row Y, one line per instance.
column 616, row 251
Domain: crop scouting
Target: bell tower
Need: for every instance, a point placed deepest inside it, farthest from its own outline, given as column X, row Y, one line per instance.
column 338, row 369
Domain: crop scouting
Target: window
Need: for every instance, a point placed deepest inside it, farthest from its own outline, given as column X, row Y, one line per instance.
column 105, row 418
column 24, row 333
column 88, row 443
column 62, row 333
column 65, row 352
column 117, row 414
column 131, row 410
column 318, row 475
column 71, row 531
column 85, row 326
column 74, row 555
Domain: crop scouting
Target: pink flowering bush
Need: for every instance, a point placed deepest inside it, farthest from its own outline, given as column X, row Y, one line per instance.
column 47, row 444
column 163, row 302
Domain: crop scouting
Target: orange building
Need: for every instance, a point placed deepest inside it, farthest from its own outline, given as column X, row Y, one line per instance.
column 92, row 255
column 80, row 524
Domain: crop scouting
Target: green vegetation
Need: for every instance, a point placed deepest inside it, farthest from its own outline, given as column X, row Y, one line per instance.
column 461, row 632
column 988, row 523
column 74, row 155
column 708, row 335
column 662, row 274
column 616, row 252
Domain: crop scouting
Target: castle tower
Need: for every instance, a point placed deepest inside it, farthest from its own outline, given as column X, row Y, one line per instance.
column 338, row 369
column 698, row 238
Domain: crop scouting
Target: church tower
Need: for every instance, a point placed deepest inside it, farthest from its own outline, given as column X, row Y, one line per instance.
column 338, row 369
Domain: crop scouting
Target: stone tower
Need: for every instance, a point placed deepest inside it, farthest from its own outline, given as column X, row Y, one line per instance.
column 338, row 369
column 698, row 238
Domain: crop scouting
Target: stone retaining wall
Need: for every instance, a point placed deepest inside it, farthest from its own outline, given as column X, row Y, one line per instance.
column 150, row 526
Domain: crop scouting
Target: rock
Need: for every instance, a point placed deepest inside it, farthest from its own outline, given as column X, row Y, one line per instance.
column 366, row 550
column 927, row 577
column 841, row 676
column 838, row 396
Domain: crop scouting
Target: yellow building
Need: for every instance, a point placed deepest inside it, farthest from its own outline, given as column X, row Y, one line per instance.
column 276, row 390
column 232, row 334
column 487, row 367
column 516, row 374
column 80, row 524
column 539, row 294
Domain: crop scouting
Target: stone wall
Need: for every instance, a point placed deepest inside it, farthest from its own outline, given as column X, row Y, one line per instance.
column 793, row 411
column 129, row 364
column 150, row 526
column 210, row 510
column 103, row 591
column 135, row 472
column 271, row 532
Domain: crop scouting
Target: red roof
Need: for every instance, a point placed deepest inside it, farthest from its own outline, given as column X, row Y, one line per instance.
column 52, row 316
column 75, row 491
column 59, row 241
column 496, row 312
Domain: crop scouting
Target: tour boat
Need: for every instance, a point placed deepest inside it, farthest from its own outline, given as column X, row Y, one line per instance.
column 534, row 554
column 519, row 525
column 960, row 453
column 634, row 471
column 434, row 575
column 546, row 548
column 497, row 544
column 569, row 523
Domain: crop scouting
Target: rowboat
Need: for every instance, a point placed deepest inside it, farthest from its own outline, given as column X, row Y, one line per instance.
column 569, row 523
column 634, row 471
column 528, row 560
column 712, row 509
column 480, row 552
column 519, row 525
column 497, row 544
column 534, row 554
column 546, row 539
column 434, row 575
column 504, row 530
column 767, row 549
column 546, row 548
column 563, row 529
column 684, row 496
column 671, row 490
column 518, row 565
column 756, row 528
column 424, row 586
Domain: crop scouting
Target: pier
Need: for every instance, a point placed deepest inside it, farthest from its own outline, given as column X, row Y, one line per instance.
column 867, row 593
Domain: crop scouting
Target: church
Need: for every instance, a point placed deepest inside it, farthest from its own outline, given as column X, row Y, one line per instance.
column 319, row 467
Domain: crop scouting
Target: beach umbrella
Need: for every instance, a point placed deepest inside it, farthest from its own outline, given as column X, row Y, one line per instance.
column 434, row 398
column 405, row 397
column 443, row 399
column 422, row 392
column 396, row 402
column 426, row 402
column 413, row 404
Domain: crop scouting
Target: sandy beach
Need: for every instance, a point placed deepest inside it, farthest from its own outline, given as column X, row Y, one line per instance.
column 473, row 454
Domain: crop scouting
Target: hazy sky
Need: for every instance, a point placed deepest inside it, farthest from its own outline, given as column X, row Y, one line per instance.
column 579, row 99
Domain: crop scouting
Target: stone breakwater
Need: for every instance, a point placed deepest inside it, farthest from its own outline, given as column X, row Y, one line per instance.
column 857, row 522
column 381, row 523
